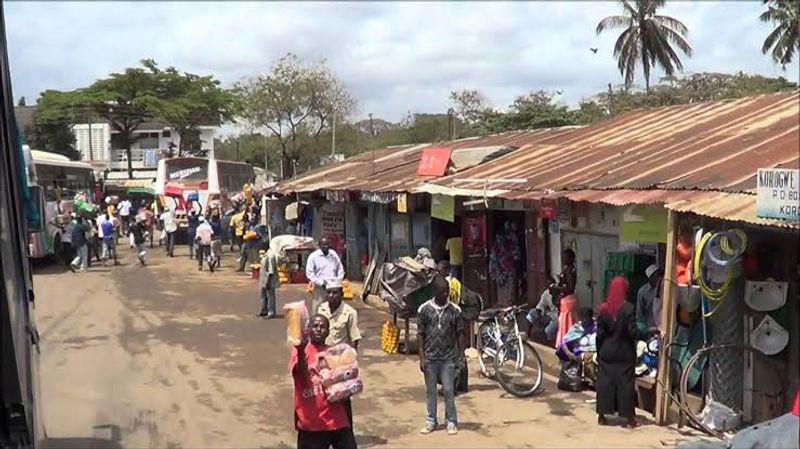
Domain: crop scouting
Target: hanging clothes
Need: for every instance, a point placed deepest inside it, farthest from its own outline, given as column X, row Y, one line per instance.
column 504, row 259
column 567, row 316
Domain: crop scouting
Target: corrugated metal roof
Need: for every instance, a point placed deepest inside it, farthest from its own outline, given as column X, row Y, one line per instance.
column 707, row 146
column 395, row 169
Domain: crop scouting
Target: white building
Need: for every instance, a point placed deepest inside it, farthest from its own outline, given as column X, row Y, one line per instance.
column 153, row 138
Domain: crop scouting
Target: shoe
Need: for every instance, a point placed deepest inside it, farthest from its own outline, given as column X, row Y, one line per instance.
column 429, row 428
column 269, row 316
column 452, row 429
column 71, row 267
column 83, row 270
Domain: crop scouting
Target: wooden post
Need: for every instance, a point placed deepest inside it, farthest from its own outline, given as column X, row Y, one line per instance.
column 668, row 311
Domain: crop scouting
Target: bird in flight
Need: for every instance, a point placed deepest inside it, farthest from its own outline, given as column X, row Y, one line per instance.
column 594, row 50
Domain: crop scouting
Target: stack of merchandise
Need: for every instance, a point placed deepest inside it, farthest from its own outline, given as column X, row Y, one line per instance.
column 296, row 316
column 337, row 369
column 283, row 273
column 390, row 337
column 631, row 266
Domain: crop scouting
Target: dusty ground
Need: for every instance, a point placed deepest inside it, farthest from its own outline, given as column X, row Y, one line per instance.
column 166, row 356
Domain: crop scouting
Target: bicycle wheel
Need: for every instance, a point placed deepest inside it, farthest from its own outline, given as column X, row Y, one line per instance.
column 518, row 368
column 486, row 349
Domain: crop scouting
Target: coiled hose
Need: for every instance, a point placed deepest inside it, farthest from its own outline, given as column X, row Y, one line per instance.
column 718, row 294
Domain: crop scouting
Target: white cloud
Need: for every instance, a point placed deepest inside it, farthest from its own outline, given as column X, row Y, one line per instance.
column 395, row 57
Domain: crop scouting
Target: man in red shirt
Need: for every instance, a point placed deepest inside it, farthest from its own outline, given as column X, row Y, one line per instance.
column 320, row 424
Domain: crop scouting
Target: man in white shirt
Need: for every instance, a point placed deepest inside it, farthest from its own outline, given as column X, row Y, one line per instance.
column 323, row 265
column 203, row 236
column 170, row 226
column 124, row 210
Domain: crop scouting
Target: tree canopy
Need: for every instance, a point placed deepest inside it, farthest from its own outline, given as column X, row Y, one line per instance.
column 295, row 101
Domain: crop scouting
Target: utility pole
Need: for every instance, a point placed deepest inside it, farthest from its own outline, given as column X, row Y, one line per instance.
column 266, row 156
column 237, row 149
column 333, row 136
column 372, row 144
column 450, row 130
column 89, row 121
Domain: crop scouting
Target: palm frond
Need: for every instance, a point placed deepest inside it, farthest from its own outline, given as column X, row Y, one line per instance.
column 621, row 40
column 672, row 23
column 613, row 22
column 772, row 38
column 677, row 39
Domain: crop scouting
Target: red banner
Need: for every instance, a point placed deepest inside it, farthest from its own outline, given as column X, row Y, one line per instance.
column 548, row 208
column 434, row 161
column 475, row 234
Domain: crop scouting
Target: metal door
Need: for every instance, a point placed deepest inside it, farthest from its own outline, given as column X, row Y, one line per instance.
column 582, row 245
column 475, row 238
column 601, row 246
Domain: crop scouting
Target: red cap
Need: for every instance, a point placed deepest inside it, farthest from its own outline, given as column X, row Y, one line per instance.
column 796, row 406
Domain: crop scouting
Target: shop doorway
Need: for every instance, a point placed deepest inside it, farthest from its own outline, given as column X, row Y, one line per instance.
column 591, row 253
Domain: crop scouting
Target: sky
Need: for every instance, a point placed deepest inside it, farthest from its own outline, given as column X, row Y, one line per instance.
column 394, row 57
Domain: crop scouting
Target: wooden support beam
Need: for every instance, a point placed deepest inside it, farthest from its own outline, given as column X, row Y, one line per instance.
column 668, row 311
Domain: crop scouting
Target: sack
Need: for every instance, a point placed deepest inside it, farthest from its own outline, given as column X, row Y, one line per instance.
column 571, row 376
column 296, row 317
column 471, row 304
column 339, row 356
column 341, row 374
column 462, row 377
column 343, row 390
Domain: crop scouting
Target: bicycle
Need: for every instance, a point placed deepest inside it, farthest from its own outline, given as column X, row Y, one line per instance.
column 497, row 328
column 517, row 366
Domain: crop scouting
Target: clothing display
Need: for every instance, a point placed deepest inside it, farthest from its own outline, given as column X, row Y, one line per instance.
column 504, row 267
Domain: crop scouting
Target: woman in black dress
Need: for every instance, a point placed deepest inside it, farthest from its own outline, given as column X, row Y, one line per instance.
column 616, row 354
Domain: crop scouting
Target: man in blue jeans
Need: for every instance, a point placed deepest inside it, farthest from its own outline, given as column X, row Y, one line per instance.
column 439, row 328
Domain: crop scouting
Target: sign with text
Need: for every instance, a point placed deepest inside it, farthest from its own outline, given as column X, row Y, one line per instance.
column 332, row 222
column 434, row 161
column 778, row 191
column 548, row 208
column 443, row 207
column 402, row 203
column 643, row 223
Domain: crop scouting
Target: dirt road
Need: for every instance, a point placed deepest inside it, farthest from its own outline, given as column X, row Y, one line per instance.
column 168, row 356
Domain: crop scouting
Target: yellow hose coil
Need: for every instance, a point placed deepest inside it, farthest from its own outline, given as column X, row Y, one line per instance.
column 715, row 294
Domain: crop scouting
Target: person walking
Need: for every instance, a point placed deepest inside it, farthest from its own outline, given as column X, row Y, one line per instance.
column 343, row 323
column 108, row 236
column 320, row 424
column 139, row 233
column 170, row 225
column 192, row 221
column 616, row 339
column 79, row 244
column 269, row 282
column 439, row 327
column 124, row 211
column 92, row 242
column 216, row 239
column 203, row 236
column 322, row 265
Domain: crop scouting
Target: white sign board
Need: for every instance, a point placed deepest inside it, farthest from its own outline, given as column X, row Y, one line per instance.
column 778, row 193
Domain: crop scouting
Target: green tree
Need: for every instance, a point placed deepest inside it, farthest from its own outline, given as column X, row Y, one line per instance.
column 52, row 125
column 190, row 101
column 783, row 41
column 125, row 100
column 295, row 101
column 647, row 39
column 470, row 106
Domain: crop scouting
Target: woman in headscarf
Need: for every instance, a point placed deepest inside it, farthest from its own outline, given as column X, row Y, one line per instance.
column 616, row 354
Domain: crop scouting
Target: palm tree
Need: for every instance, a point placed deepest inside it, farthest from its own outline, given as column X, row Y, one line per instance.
column 783, row 40
column 648, row 38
